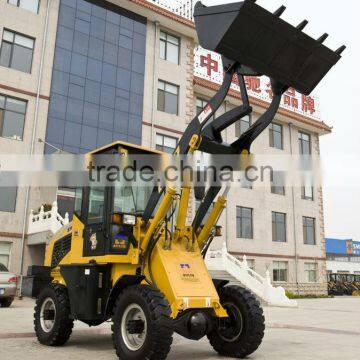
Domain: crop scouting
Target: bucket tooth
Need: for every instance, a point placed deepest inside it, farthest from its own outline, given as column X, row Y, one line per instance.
column 280, row 11
column 302, row 25
column 322, row 38
column 340, row 50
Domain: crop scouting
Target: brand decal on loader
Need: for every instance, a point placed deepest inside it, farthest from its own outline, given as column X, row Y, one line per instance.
column 187, row 273
column 93, row 241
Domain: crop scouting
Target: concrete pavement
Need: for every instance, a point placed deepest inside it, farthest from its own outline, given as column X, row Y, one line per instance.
column 318, row 329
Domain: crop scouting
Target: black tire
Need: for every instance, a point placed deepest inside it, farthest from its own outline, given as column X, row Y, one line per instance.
column 157, row 337
column 5, row 303
column 239, row 336
column 62, row 326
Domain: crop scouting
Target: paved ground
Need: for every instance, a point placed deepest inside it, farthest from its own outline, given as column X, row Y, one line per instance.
column 318, row 329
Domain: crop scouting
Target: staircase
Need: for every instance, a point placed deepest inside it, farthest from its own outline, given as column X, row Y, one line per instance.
column 46, row 220
column 225, row 266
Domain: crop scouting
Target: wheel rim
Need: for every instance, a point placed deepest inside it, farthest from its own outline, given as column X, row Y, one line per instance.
column 47, row 315
column 234, row 324
column 134, row 327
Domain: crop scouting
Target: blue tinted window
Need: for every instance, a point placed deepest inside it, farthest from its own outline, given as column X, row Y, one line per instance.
column 60, row 81
column 126, row 42
column 96, row 48
column 139, row 43
column 83, row 6
column 107, row 96
column 121, row 121
column 83, row 16
column 91, row 114
column 138, row 63
column 97, row 82
column 137, row 83
column 113, row 17
column 123, row 79
column 81, row 43
column 57, row 106
column 122, row 104
column 72, row 134
column 78, row 65
column 65, row 38
column 112, row 33
column 94, row 70
column 97, row 27
column 104, row 137
column 82, row 26
column 76, row 91
column 127, row 23
column 88, row 137
column 99, row 12
column 109, row 74
column 62, row 60
column 74, row 110
column 124, row 58
column 67, row 16
column 106, row 118
column 134, row 125
column 92, row 91
column 55, row 130
column 110, row 53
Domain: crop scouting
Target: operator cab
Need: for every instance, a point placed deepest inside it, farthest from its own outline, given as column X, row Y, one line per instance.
column 110, row 212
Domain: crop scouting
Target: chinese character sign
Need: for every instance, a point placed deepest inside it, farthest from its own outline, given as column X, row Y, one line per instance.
column 208, row 65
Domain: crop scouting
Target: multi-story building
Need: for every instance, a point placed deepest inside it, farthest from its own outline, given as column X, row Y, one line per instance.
column 80, row 74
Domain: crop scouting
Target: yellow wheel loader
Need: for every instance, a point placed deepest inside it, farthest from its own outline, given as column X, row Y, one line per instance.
column 119, row 260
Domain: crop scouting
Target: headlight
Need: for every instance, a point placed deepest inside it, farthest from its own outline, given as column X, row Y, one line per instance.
column 129, row 219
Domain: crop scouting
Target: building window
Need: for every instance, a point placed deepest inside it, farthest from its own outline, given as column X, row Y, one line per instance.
column 307, row 193
column 276, row 136
column 242, row 125
column 4, row 255
column 309, row 230
column 8, row 199
column 200, row 105
column 280, row 271
column 278, row 183
column 166, row 143
column 278, row 227
column 168, row 98
column 16, row 51
column 169, row 47
column 311, row 272
column 304, row 143
column 244, row 222
column 12, row 117
column 31, row 5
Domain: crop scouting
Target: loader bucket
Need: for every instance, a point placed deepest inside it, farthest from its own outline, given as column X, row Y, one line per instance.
column 249, row 34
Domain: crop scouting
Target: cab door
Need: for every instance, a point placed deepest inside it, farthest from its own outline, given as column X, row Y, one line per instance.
column 95, row 232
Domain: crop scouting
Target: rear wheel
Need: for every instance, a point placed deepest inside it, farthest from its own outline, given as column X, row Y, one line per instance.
column 52, row 317
column 242, row 332
column 142, row 327
column 5, row 303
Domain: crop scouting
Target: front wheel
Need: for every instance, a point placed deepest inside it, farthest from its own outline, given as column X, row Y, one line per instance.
column 142, row 327
column 52, row 318
column 242, row 332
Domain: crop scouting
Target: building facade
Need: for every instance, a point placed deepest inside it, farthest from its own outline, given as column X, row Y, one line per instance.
column 80, row 74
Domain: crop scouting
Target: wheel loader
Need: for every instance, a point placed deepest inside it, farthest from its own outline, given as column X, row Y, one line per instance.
column 119, row 260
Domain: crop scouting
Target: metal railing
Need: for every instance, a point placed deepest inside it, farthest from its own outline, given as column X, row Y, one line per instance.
column 183, row 8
